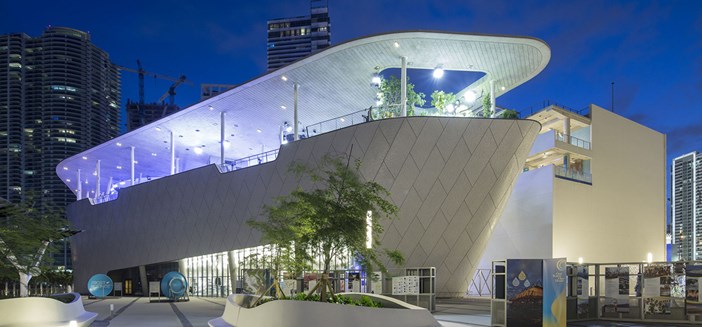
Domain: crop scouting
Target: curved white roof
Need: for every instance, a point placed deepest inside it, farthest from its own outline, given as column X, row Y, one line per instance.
column 332, row 83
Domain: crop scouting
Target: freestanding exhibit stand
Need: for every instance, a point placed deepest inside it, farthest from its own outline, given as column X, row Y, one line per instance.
column 529, row 292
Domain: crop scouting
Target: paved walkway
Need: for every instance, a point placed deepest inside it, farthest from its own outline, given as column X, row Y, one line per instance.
column 138, row 311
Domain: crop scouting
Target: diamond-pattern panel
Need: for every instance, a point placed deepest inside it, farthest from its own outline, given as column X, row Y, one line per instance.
column 208, row 210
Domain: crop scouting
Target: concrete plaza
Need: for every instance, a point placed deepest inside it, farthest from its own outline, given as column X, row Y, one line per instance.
column 138, row 311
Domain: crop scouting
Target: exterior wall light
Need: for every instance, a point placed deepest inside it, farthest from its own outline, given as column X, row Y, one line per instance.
column 438, row 72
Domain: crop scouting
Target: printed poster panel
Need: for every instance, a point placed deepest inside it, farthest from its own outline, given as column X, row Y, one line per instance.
column 693, row 305
column 554, row 293
column 525, row 292
column 583, row 291
column 255, row 280
column 377, row 283
column 657, row 289
column 616, row 290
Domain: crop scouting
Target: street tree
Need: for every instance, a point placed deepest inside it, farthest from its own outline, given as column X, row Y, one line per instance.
column 26, row 230
column 331, row 221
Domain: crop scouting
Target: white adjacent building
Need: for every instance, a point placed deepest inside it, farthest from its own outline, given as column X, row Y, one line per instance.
column 593, row 188
column 686, row 196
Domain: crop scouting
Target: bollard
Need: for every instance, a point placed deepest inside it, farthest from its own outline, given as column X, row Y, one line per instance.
column 112, row 309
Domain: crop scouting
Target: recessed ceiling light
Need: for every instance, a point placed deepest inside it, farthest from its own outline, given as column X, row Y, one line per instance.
column 94, row 173
column 85, row 158
column 396, row 44
column 119, row 167
column 285, row 79
column 136, row 162
column 283, row 107
column 158, row 129
column 197, row 150
column 211, row 108
column 502, row 88
column 342, row 119
column 119, row 144
column 68, row 180
column 65, row 168
column 258, row 130
column 153, row 154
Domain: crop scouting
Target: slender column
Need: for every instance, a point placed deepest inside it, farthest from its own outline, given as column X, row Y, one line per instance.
column 109, row 185
column 177, row 165
column 566, row 130
column 403, row 88
column 492, row 97
column 172, row 154
column 79, row 187
column 295, row 121
column 97, row 182
column 131, row 164
column 221, row 139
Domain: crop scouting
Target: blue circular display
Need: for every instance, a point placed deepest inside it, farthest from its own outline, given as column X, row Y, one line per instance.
column 100, row 285
column 174, row 285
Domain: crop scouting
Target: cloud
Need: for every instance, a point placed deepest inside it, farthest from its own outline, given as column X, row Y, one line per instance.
column 685, row 139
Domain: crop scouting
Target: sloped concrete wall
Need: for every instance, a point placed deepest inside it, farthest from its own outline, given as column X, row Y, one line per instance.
column 450, row 177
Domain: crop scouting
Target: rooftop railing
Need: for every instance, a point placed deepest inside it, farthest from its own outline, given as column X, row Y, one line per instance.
column 249, row 161
column 547, row 103
column 333, row 124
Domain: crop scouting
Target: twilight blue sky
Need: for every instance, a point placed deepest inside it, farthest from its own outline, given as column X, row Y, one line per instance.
column 652, row 50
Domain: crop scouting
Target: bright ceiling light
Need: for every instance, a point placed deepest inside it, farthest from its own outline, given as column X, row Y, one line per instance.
column 85, row 158
column 258, row 130
column 342, row 119
column 283, row 107
column 119, row 167
column 396, row 44
column 211, row 108
column 450, row 108
column 227, row 144
column 119, row 144
column 154, row 154
column 470, row 96
column 438, row 72
column 285, row 79
column 122, row 183
column 158, row 129
column 198, row 150
column 65, row 168
column 68, row 180
column 288, row 128
column 376, row 79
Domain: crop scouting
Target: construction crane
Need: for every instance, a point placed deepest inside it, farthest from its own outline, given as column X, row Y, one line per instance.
column 141, row 72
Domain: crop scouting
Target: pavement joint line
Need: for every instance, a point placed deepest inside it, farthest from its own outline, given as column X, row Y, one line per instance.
column 117, row 313
column 183, row 320
column 96, row 301
column 217, row 303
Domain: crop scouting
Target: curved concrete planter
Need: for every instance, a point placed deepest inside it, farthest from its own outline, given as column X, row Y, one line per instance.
column 305, row 313
column 44, row 311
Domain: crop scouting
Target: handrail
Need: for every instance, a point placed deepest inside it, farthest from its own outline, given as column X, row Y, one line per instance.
column 573, row 175
column 547, row 103
column 572, row 140
column 249, row 161
column 357, row 117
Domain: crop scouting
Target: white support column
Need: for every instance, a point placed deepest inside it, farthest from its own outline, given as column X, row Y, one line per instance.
column 492, row 97
column 172, row 154
column 221, row 139
column 566, row 130
column 403, row 88
column 97, row 180
column 177, row 165
column 131, row 164
column 79, row 192
column 109, row 186
column 296, row 131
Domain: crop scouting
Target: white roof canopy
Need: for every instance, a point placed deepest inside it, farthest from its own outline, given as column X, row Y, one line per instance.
column 332, row 83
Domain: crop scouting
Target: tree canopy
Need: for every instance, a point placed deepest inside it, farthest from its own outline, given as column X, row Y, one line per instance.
column 331, row 220
column 390, row 94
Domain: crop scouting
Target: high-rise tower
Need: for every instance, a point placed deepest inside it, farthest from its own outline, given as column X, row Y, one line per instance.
column 59, row 95
column 290, row 39
column 686, row 205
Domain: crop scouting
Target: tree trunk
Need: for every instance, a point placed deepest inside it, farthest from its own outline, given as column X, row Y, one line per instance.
column 24, row 284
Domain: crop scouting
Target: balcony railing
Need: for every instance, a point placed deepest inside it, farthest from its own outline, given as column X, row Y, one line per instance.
column 249, row 161
column 333, row 124
column 573, row 140
column 572, row 175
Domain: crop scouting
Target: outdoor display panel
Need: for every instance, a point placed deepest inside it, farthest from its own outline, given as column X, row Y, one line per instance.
column 536, row 292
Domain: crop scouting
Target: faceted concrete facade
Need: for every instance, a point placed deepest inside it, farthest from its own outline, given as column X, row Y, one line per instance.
column 450, row 177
